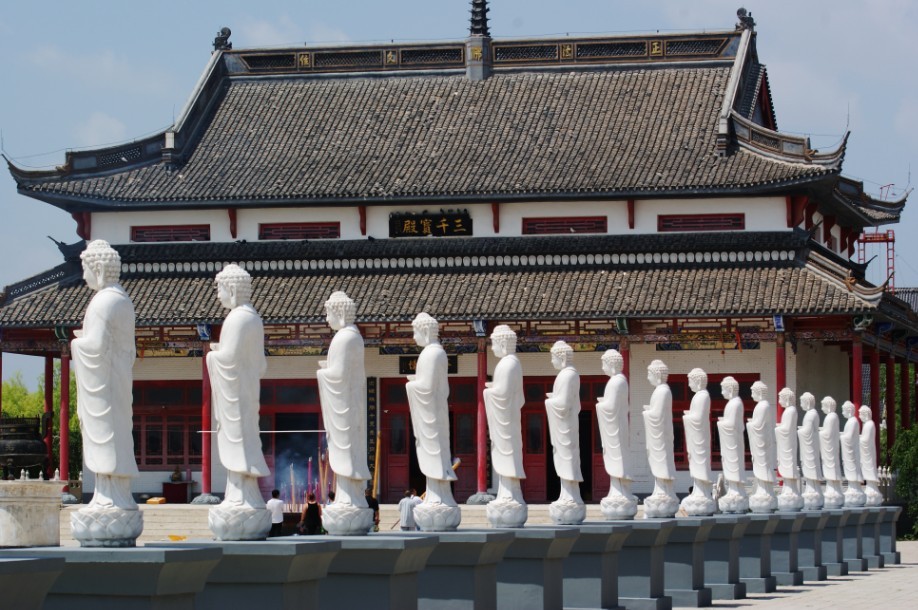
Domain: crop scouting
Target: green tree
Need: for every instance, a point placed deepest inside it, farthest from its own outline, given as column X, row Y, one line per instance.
column 905, row 462
column 18, row 401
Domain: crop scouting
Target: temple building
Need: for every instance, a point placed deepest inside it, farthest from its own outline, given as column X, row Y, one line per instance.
column 630, row 192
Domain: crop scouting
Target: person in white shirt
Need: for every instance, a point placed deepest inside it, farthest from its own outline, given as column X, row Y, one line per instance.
column 276, row 507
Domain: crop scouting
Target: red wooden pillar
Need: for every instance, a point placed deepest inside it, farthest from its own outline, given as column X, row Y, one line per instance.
column 875, row 391
column 624, row 348
column 49, row 413
column 1, row 383
column 905, row 394
column 65, row 418
column 205, row 421
column 780, row 370
column 482, row 428
column 857, row 365
column 890, row 405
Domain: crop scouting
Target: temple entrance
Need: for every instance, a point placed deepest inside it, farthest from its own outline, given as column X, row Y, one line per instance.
column 399, row 469
column 290, row 408
column 542, row 483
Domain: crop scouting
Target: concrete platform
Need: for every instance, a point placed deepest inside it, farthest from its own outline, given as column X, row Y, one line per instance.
column 127, row 578
column 281, row 573
column 755, row 553
column 531, row 575
column 809, row 546
column 591, row 569
column 641, row 584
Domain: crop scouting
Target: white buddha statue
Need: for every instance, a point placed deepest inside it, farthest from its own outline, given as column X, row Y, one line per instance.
column 503, row 398
column 103, row 355
column 236, row 365
column 869, row 457
column 697, row 424
column 658, row 426
column 428, row 392
column 612, row 417
column 761, row 431
column 562, row 406
column 343, row 394
column 732, row 450
column 851, row 457
column 810, row 462
column 786, row 444
column 829, row 452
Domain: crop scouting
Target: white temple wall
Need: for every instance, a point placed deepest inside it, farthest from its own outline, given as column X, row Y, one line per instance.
column 822, row 370
column 768, row 214
column 115, row 227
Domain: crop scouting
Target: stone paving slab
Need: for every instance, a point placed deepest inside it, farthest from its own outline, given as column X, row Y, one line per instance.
column 890, row 588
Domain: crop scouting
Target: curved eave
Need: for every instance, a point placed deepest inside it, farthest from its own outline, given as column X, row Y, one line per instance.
column 784, row 147
column 72, row 203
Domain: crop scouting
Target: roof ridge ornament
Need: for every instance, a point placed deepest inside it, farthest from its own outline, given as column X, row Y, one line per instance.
column 479, row 21
column 221, row 40
column 746, row 22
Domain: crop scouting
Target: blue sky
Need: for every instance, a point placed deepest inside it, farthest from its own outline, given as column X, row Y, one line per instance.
column 84, row 74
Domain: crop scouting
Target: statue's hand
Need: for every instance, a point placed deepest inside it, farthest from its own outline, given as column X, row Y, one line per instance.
column 412, row 377
column 214, row 347
column 323, row 364
column 78, row 333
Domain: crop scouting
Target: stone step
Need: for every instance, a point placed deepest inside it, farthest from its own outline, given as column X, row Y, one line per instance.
column 189, row 521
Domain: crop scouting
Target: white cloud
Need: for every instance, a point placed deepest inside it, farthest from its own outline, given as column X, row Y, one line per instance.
column 100, row 129
column 321, row 32
column 103, row 69
column 260, row 33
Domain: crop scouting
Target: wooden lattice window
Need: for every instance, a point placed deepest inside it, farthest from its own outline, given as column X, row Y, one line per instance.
column 701, row 222
column 568, row 224
column 167, row 424
column 299, row 230
column 161, row 233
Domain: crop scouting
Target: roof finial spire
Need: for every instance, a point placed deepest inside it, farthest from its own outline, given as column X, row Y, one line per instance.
column 746, row 22
column 221, row 40
column 479, row 24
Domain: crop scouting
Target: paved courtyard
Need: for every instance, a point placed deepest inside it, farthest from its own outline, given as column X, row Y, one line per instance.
column 889, row 588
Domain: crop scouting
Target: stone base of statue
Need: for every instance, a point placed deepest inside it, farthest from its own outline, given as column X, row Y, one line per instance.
column 735, row 501
column 507, row 512
column 340, row 519
column 790, row 500
column 764, row 499
column 661, row 505
column 232, row 522
column 106, row 526
column 480, row 499
column 437, row 517
column 812, row 496
column 697, row 504
column 855, row 496
column 208, row 499
column 567, row 512
column 872, row 493
column 833, row 497
column 617, row 507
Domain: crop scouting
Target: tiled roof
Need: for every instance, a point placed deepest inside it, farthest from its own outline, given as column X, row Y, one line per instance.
column 518, row 134
column 578, row 293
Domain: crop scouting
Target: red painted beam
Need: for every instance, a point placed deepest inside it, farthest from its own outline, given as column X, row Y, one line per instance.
column 65, row 418
column 631, row 213
column 495, row 216
column 205, row 421
column 482, row 429
column 780, row 369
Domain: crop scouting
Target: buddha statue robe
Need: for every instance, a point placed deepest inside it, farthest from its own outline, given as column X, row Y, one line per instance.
column 732, row 448
column 428, row 393
column 614, row 429
column 563, row 410
column 503, row 402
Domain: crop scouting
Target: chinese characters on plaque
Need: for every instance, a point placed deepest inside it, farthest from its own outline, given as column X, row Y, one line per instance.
column 441, row 224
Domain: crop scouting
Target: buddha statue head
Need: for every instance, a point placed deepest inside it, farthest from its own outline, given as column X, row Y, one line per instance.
column 340, row 310
column 234, row 286
column 657, row 373
column 697, row 380
column 829, row 405
column 786, row 398
column 101, row 264
column 865, row 414
column 503, row 341
column 561, row 355
column 847, row 409
column 807, row 401
column 612, row 362
column 729, row 387
column 759, row 390
column 426, row 329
